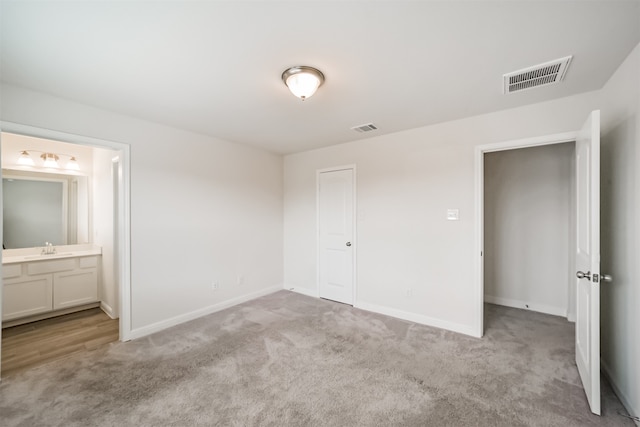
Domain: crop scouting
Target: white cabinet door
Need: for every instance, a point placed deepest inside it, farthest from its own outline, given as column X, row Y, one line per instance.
column 26, row 296
column 74, row 288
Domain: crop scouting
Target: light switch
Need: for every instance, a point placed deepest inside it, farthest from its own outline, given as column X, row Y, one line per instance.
column 453, row 214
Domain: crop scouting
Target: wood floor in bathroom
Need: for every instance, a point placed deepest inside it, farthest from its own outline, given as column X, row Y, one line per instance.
column 35, row 343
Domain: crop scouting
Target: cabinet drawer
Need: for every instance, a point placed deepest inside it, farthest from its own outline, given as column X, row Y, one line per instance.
column 55, row 265
column 11, row 270
column 88, row 261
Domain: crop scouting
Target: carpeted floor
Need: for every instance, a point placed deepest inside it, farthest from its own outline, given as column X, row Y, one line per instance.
column 291, row 360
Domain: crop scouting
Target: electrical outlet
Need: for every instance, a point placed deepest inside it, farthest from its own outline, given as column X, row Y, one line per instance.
column 408, row 292
column 215, row 285
column 240, row 279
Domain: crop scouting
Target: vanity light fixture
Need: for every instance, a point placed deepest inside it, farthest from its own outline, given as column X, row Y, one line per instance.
column 50, row 160
column 72, row 164
column 25, row 159
column 303, row 81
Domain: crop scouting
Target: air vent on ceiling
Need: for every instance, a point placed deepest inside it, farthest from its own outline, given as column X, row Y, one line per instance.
column 365, row 128
column 539, row 75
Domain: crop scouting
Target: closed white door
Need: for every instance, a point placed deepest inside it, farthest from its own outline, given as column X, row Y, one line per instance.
column 588, row 259
column 335, row 228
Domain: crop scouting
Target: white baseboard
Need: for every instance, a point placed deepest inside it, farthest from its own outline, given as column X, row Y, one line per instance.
column 400, row 314
column 159, row 326
column 541, row 308
column 417, row 318
column 108, row 310
column 303, row 291
column 634, row 412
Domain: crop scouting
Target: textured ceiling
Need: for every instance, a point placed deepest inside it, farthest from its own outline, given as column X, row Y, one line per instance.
column 214, row 67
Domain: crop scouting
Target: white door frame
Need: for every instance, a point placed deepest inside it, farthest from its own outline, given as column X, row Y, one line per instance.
column 480, row 150
column 351, row 167
column 124, row 215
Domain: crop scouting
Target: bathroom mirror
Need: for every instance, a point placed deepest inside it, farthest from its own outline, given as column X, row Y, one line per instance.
column 44, row 207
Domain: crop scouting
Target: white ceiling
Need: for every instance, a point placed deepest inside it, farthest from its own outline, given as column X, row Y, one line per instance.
column 215, row 67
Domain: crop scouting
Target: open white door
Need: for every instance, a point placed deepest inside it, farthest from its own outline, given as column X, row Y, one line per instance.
column 335, row 229
column 588, row 259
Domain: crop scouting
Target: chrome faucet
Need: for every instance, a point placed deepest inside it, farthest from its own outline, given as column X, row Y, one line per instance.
column 48, row 249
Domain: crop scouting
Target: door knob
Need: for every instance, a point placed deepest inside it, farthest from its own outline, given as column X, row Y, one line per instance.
column 348, row 243
column 581, row 275
column 606, row 278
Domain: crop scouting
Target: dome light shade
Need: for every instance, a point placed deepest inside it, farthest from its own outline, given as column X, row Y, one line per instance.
column 303, row 81
column 25, row 159
column 50, row 160
column 72, row 164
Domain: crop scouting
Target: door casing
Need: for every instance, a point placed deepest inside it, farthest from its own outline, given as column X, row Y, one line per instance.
column 478, row 327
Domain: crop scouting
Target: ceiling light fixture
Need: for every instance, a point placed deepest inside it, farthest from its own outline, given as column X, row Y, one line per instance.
column 303, row 81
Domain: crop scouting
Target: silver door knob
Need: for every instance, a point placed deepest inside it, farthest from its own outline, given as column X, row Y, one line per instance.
column 581, row 275
column 606, row 278
column 348, row 243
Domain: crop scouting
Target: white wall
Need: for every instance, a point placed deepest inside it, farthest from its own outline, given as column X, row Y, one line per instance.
column 202, row 209
column 103, row 228
column 620, row 213
column 527, row 227
column 405, row 183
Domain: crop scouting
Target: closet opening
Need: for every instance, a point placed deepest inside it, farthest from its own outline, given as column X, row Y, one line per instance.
column 529, row 228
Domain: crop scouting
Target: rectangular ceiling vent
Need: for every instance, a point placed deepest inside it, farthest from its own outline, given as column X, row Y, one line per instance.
column 365, row 128
column 539, row 75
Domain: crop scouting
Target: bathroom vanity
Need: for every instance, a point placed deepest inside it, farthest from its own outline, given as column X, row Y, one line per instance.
column 38, row 285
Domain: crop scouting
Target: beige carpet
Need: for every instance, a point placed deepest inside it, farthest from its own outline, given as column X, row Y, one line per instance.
column 291, row 360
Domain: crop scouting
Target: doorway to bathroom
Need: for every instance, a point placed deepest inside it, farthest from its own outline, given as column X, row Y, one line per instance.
column 90, row 291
